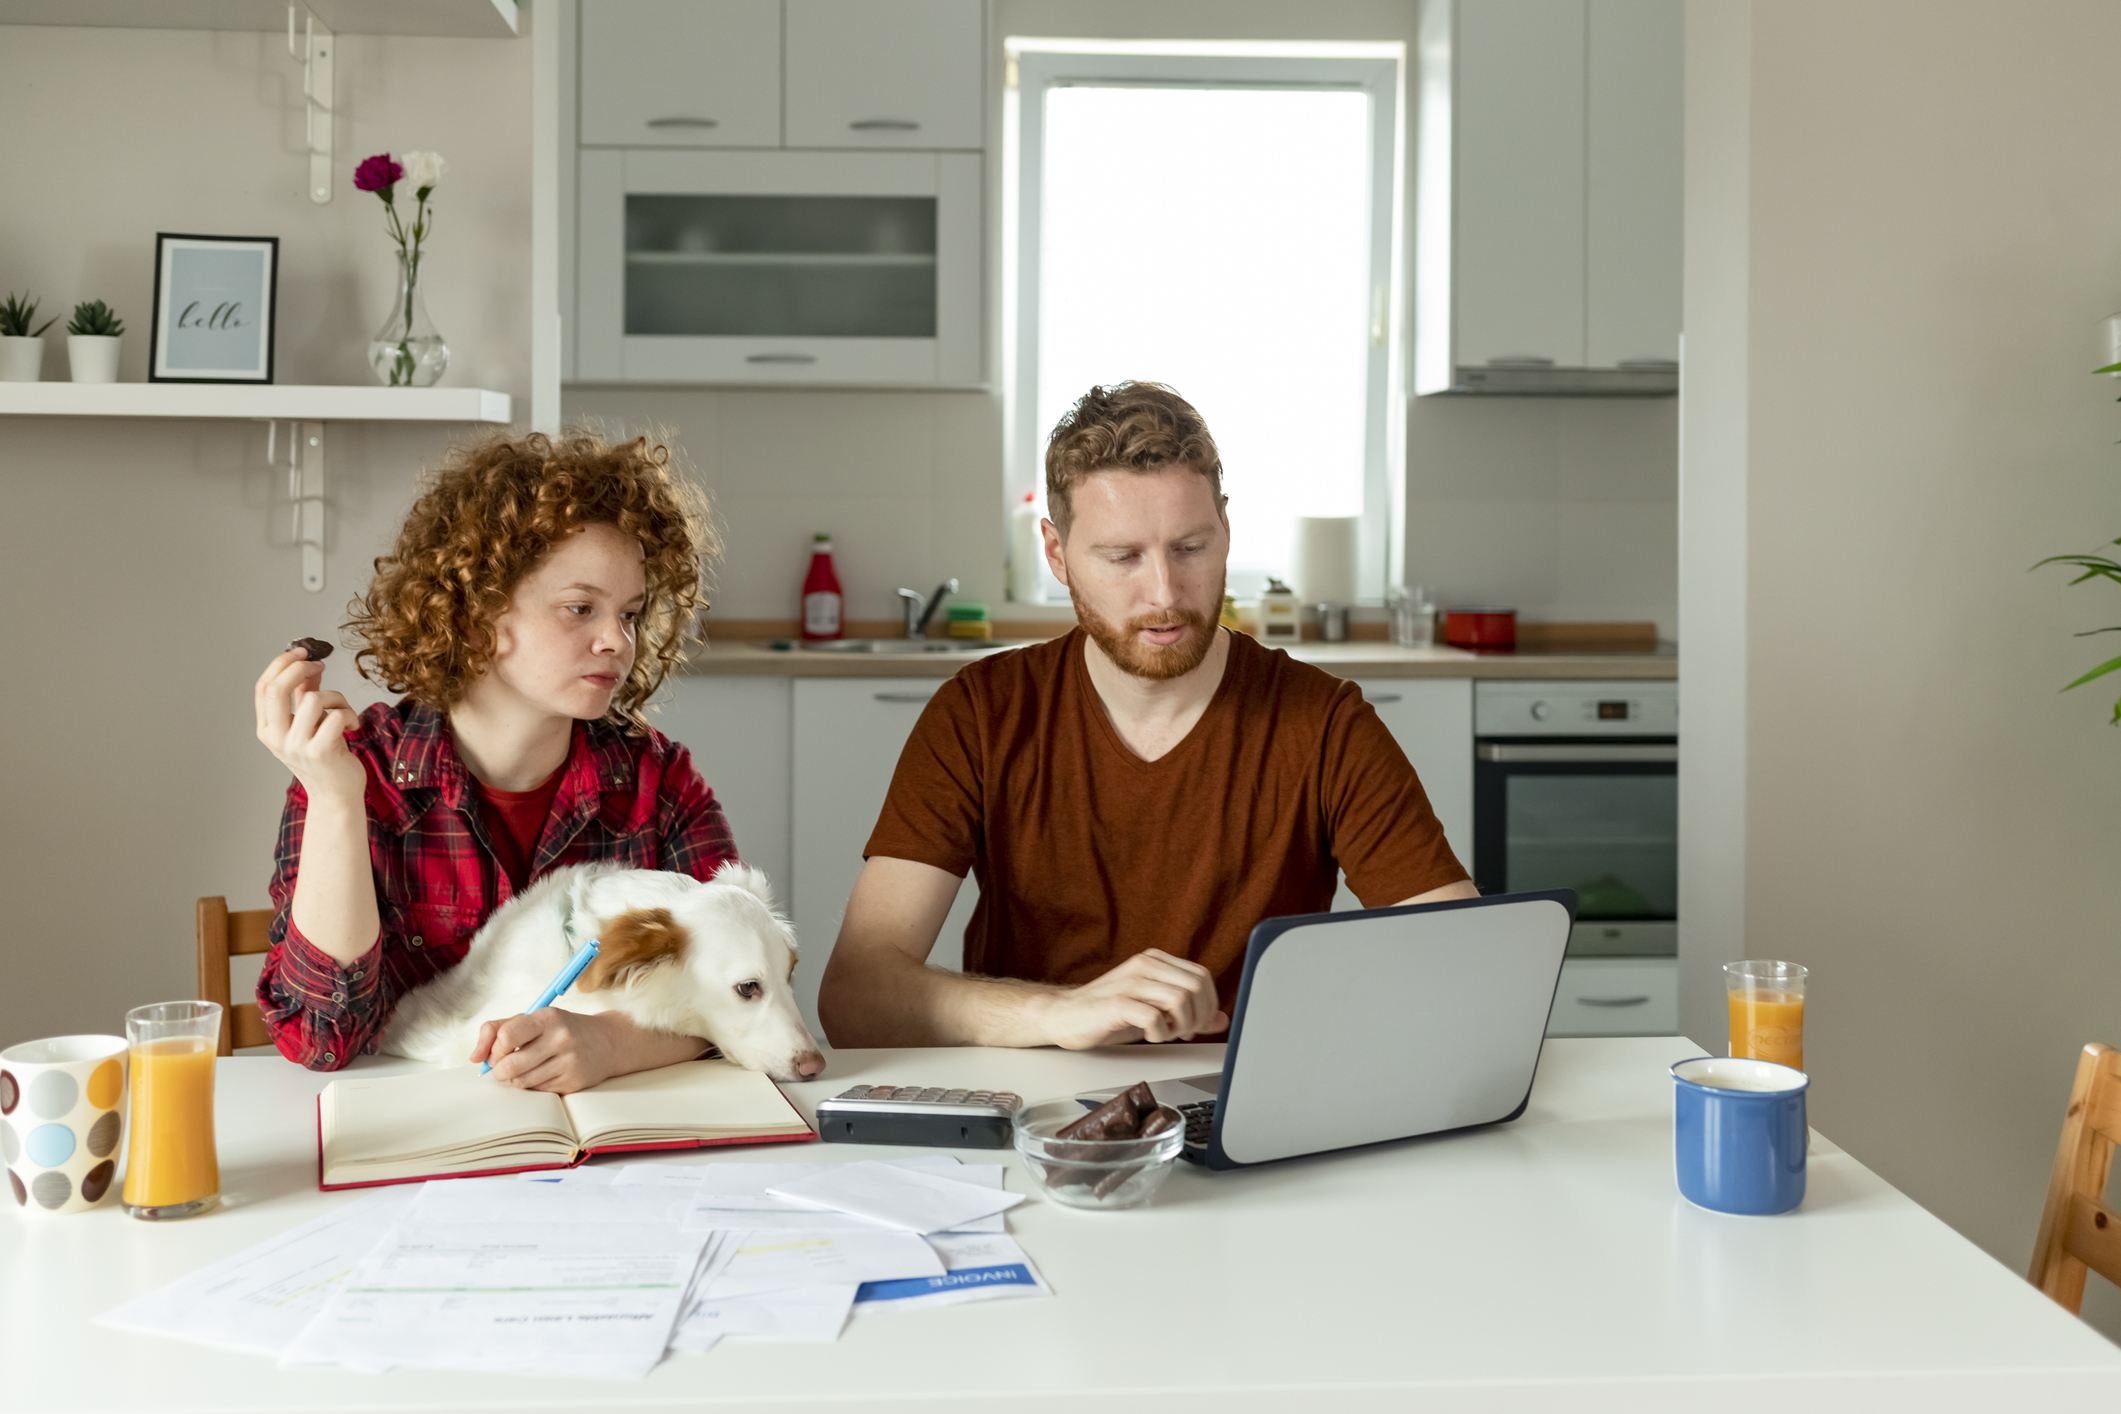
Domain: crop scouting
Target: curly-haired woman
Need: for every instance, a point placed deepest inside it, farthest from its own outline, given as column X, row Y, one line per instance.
column 539, row 593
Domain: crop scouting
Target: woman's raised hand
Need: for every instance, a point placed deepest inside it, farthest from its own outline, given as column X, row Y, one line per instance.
column 306, row 727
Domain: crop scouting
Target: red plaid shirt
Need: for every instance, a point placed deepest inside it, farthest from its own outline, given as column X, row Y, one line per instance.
column 637, row 800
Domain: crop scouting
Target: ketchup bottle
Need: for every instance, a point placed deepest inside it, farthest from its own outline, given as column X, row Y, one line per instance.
column 821, row 594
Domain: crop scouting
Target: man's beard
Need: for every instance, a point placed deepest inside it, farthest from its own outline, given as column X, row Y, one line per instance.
column 1156, row 662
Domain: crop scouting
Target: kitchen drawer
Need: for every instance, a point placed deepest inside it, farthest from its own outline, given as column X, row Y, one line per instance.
column 904, row 74
column 681, row 73
column 1614, row 996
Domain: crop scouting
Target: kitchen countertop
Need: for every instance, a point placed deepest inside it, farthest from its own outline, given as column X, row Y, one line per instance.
column 730, row 658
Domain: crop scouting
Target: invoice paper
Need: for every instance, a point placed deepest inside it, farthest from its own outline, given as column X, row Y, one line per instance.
column 776, row 1260
column 567, row 1298
column 259, row 1300
column 733, row 1194
column 983, row 1267
column 897, row 1197
column 805, row 1313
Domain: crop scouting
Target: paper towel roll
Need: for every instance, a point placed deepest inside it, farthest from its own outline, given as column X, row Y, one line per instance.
column 1327, row 548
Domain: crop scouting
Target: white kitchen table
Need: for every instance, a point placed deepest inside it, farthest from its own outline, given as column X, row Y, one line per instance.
column 1543, row 1264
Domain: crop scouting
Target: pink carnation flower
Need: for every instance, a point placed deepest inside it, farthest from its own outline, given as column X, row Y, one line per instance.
column 378, row 173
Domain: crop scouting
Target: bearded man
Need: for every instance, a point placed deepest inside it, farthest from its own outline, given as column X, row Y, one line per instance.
column 1134, row 796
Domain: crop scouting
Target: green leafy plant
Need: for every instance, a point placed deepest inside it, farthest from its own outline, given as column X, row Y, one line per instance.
column 2095, row 567
column 15, row 317
column 95, row 317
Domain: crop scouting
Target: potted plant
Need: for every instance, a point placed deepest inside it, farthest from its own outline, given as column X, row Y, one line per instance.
column 21, row 347
column 92, row 342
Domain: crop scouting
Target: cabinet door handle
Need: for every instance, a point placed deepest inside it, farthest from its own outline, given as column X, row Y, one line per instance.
column 684, row 123
column 903, row 696
column 1612, row 1001
column 780, row 358
column 1386, row 697
column 885, row 125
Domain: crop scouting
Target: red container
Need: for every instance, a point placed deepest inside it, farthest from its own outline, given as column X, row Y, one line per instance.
column 1480, row 626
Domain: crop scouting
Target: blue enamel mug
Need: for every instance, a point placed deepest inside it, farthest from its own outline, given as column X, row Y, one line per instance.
column 1739, row 1134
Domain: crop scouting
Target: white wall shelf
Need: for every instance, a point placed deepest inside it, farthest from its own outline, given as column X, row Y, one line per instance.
column 306, row 410
column 453, row 19
column 272, row 402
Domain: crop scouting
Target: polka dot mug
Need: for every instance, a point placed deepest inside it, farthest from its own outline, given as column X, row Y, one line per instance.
column 62, row 1117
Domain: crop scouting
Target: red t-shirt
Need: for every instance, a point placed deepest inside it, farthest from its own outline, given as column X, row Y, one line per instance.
column 515, row 819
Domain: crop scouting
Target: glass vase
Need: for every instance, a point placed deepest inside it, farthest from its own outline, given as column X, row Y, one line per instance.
column 408, row 352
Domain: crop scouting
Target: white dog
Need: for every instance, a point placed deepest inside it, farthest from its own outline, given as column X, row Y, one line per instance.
column 673, row 954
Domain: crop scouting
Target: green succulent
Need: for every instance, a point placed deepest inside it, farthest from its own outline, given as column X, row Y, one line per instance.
column 15, row 316
column 95, row 317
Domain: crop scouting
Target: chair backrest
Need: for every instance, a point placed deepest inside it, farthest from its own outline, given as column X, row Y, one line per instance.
column 2077, row 1231
column 223, row 935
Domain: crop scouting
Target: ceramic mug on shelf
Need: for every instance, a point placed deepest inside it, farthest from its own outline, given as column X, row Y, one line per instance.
column 62, row 1117
column 1739, row 1134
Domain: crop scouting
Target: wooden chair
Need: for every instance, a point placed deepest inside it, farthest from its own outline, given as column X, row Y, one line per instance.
column 2077, row 1231
column 223, row 935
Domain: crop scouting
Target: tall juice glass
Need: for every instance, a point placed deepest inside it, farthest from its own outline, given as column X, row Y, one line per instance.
column 1767, row 1010
column 170, row 1167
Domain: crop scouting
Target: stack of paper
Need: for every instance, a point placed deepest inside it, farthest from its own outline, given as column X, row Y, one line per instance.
column 600, row 1271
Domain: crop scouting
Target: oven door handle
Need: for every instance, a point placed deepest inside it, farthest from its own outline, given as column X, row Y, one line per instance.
column 1619, row 751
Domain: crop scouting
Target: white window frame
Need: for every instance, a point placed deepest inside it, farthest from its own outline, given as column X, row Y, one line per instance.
column 1036, row 65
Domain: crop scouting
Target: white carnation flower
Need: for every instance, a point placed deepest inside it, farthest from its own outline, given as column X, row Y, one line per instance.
column 422, row 170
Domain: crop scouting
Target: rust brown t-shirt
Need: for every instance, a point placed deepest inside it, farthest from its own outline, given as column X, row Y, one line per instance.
column 1086, row 854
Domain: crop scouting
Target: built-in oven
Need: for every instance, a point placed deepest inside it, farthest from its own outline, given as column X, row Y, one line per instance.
column 1576, row 786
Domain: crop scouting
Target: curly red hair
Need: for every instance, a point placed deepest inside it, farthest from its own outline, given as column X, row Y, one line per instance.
column 496, row 508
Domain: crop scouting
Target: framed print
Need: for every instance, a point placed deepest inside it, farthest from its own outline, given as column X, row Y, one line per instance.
column 215, row 300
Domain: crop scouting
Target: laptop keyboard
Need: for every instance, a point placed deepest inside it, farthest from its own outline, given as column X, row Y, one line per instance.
column 1200, row 1119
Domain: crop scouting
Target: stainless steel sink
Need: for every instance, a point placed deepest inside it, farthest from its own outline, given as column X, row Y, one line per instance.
column 910, row 645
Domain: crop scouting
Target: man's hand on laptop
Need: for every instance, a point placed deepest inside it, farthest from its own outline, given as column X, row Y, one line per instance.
column 1152, row 996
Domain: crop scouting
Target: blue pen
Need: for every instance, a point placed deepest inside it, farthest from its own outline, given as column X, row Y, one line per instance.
column 559, row 984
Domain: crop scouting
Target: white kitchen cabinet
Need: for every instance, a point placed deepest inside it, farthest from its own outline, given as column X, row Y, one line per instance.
column 1617, row 996
column 1548, row 197
column 1432, row 720
column 779, row 268
column 848, row 734
column 681, row 73
column 737, row 730
column 864, row 73
column 1635, row 97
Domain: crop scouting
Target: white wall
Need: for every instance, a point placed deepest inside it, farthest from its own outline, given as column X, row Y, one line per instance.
column 1906, row 289
column 1564, row 508
column 148, row 563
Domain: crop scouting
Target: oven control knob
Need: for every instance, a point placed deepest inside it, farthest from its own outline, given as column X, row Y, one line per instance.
column 1540, row 711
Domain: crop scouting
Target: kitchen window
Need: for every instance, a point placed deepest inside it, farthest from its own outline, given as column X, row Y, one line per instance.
column 1224, row 219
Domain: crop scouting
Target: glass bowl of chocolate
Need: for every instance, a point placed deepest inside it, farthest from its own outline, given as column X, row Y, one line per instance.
column 1115, row 1156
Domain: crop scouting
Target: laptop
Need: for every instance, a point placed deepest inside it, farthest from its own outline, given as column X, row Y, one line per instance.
column 1359, row 1028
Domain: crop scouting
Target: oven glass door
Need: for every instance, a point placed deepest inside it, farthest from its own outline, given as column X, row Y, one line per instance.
column 1599, row 817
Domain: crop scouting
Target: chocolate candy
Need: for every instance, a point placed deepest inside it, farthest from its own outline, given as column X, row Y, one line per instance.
column 1156, row 1124
column 317, row 648
column 1117, row 1118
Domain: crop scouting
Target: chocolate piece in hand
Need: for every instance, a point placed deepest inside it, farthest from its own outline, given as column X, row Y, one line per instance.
column 317, row 649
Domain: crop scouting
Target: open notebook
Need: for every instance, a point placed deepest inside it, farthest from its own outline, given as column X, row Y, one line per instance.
column 456, row 1123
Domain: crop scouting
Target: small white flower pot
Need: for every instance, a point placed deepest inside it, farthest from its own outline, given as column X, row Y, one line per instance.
column 93, row 357
column 21, row 358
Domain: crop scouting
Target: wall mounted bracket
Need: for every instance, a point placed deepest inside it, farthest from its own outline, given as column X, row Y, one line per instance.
column 305, row 493
column 314, row 49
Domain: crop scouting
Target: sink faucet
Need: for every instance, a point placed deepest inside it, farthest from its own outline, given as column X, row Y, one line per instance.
column 921, row 608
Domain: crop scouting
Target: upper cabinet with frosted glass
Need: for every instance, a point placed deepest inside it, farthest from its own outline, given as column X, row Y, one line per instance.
column 779, row 191
column 1547, row 212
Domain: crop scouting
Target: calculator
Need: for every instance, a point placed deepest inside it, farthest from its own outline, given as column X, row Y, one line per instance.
column 928, row 1116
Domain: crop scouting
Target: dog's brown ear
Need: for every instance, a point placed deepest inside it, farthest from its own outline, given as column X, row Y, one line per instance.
column 630, row 944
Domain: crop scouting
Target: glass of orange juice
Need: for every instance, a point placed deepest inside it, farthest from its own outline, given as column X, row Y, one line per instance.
column 1767, row 1010
column 170, row 1167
